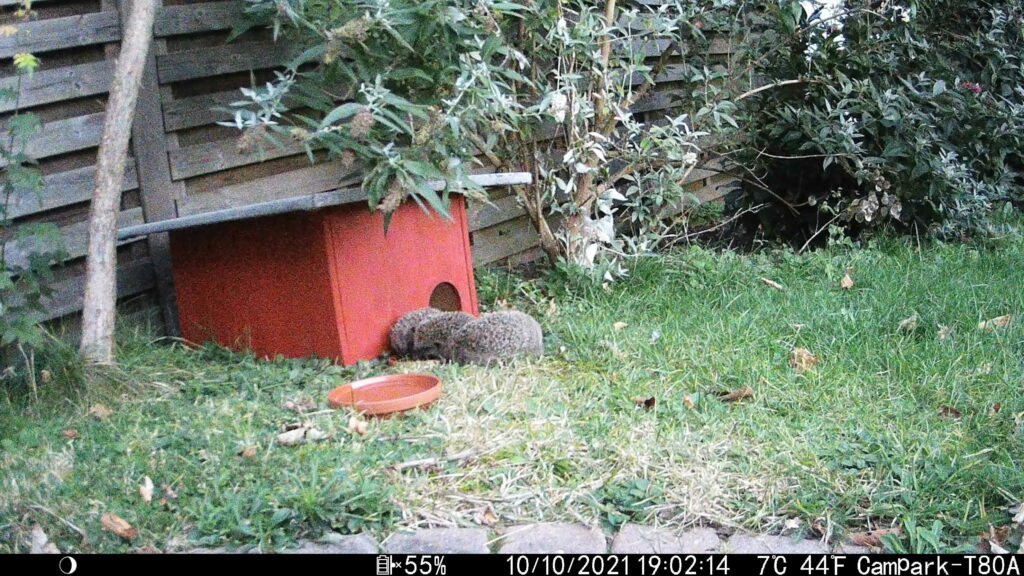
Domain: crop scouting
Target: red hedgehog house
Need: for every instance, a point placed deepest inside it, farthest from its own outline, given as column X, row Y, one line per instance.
column 316, row 275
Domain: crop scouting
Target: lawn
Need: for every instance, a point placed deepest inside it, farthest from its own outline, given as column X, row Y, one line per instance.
column 892, row 426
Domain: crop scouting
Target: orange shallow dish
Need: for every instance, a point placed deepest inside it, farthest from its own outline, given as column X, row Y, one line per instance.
column 387, row 394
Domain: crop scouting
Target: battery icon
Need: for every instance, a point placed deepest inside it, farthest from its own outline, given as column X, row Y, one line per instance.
column 383, row 565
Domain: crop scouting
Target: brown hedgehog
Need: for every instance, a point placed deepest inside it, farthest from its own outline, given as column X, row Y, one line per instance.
column 432, row 338
column 495, row 337
column 401, row 335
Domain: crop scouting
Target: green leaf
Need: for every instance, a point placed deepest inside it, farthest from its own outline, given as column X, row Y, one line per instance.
column 313, row 54
column 423, row 170
column 22, row 125
column 436, row 202
column 340, row 113
column 25, row 63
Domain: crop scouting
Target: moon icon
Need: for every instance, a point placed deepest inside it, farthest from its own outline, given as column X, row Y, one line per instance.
column 68, row 565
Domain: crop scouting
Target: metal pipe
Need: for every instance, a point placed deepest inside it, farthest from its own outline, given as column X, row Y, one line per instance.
column 297, row 203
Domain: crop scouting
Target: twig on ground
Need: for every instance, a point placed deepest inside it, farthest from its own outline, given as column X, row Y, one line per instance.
column 431, row 462
column 54, row 514
column 733, row 218
column 815, row 235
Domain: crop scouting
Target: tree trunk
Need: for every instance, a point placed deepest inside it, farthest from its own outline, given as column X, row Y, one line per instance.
column 100, row 276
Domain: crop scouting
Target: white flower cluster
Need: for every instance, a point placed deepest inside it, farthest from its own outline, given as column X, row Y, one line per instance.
column 901, row 13
column 558, row 107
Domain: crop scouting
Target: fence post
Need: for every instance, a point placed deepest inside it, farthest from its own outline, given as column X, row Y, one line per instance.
column 156, row 188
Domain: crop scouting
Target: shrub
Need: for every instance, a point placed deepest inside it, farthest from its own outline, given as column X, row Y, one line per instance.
column 909, row 115
column 409, row 88
column 27, row 249
column 427, row 86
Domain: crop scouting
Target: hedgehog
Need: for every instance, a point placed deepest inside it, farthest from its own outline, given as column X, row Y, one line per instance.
column 401, row 335
column 495, row 337
column 432, row 338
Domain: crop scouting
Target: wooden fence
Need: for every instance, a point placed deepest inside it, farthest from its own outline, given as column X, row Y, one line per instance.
column 182, row 162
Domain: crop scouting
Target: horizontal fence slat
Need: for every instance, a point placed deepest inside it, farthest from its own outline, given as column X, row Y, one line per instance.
column 501, row 241
column 659, row 100
column 63, row 189
column 192, row 18
column 670, row 73
column 223, row 154
column 41, row 36
column 75, row 239
column 69, row 295
column 484, row 215
column 198, row 110
column 311, row 179
column 201, row 110
column 62, row 136
column 226, row 59
column 48, row 86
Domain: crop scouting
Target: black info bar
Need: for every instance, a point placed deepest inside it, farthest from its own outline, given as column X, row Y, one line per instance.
column 533, row 564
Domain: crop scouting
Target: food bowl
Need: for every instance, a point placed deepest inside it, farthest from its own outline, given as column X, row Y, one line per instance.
column 387, row 394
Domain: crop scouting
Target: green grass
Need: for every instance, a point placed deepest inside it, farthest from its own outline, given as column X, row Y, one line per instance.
column 858, row 441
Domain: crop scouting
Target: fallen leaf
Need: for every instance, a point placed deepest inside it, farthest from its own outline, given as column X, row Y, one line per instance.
column 300, row 407
column 45, row 376
column 552, row 308
column 999, row 322
column 646, row 403
column 871, row 538
column 945, row 332
column 802, row 360
column 819, row 528
column 292, row 437
column 996, row 408
column 772, row 284
column 146, row 490
column 70, row 434
column 357, row 426
column 688, row 401
column 41, row 542
column 117, row 525
column 847, row 282
column 737, row 395
column 997, row 535
column 248, row 452
column 950, row 412
column 1018, row 514
column 300, row 436
column 908, row 324
column 619, row 326
column 100, row 412
column 488, row 518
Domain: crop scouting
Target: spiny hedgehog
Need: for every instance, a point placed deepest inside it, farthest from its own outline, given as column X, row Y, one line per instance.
column 495, row 337
column 432, row 337
column 402, row 332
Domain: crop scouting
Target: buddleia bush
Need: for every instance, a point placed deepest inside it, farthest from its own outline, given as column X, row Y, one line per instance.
column 903, row 113
column 407, row 89
column 420, row 90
